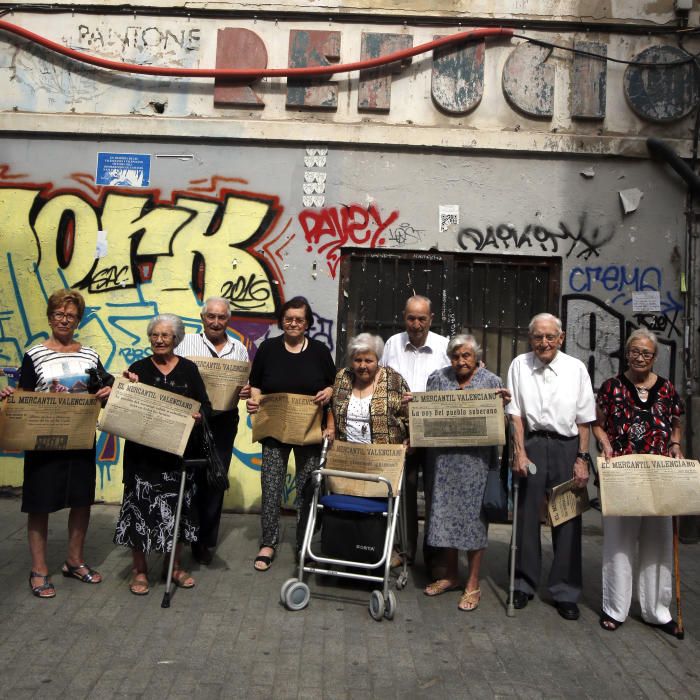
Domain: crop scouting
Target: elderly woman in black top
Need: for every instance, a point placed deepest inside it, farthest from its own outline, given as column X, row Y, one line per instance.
column 296, row 364
column 152, row 477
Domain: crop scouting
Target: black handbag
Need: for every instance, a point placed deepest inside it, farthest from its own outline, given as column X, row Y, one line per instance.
column 217, row 472
column 496, row 492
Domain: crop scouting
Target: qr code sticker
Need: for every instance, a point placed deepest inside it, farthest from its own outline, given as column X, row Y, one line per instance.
column 448, row 221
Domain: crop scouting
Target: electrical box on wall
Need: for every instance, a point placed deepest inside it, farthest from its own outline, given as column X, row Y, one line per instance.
column 684, row 5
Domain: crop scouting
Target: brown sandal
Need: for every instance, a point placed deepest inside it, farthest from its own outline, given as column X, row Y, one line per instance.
column 182, row 579
column 139, row 584
column 442, row 585
column 470, row 600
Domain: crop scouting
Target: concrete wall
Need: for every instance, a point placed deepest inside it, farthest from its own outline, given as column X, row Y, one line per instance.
column 268, row 246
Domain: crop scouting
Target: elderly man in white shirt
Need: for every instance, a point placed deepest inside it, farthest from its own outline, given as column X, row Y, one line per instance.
column 214, row 341
column 551, row 410
column 416, row 353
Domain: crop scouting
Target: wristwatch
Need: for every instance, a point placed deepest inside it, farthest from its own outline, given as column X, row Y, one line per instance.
column 582, row 455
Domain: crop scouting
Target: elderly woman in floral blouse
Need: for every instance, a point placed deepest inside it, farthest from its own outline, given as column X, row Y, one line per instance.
column 369, row 401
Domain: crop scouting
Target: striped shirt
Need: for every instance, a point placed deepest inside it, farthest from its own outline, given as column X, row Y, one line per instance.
column 57, row 371
column 198, row 345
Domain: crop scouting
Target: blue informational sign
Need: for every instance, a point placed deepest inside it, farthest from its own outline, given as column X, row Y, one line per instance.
column 123, row 169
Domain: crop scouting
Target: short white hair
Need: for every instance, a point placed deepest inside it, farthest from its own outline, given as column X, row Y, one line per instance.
column 421, row 298
column 216, row 300
column 551, row 318
column 175, row 323
column 366, row 342
column 463, row 339
column 643, row 334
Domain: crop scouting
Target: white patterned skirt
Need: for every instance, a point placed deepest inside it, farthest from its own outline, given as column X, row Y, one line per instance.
column 147, row 517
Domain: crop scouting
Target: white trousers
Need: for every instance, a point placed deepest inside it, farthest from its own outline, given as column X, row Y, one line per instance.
column 649, row 540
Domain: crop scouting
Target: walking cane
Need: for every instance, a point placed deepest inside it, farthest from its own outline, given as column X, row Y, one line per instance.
column 178, row 511
column 677, row 574
column 510, row 611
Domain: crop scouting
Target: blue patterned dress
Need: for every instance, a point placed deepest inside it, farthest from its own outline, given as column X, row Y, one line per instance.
column 459, row 477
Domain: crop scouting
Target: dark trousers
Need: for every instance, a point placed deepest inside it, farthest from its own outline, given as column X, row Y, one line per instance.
column 415, row 462
column 209, row 501
column 554, row 460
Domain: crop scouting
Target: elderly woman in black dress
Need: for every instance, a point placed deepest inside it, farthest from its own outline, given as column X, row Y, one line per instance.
column 57, row 479
column 152, row 477
column 456, row 517
column 296, row 364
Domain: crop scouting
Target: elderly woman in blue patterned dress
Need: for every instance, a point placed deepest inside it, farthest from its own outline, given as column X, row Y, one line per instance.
column 456, row 518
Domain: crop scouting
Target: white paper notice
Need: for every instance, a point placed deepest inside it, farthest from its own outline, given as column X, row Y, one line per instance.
column 646, row 302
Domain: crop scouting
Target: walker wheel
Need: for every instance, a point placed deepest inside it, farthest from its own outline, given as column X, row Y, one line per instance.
column 376, row 605
column 283, row 590
column 297, row 596
column 401, row 581
column 390, row 609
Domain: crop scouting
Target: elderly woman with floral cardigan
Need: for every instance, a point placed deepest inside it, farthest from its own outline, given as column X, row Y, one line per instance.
column 369, row 404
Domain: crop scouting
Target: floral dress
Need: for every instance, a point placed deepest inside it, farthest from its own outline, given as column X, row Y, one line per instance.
column 152, row 477
column 456, row 517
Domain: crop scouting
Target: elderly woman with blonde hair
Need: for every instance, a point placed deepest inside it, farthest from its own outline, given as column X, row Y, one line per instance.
column 459, row 479
column 368, row 400
column 57, row 479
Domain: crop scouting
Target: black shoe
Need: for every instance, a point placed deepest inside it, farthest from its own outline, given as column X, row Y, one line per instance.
column 520, row 599
column 569, row 611
column 202, row 554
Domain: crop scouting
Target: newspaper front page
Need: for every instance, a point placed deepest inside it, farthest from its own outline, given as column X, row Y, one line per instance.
column 291, row 418
column 223, row 379
column 34, row 420
column 150, row 416
column 649, row 485
column 469, row 418
column 566, row 502
column 382, row 460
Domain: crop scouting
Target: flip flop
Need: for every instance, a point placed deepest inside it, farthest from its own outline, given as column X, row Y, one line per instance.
column 442, row 585
column 470, row 600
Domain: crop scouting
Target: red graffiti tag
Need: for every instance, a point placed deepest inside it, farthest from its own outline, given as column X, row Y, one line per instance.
column 352, row 223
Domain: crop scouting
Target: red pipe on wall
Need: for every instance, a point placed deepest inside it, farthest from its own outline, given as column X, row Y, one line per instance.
column 248, row 75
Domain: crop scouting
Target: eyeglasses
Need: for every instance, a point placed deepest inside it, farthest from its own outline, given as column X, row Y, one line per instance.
column 287, row 321
column 60, row 316
column 646, row 354
column 549, row 337
column 161, row 336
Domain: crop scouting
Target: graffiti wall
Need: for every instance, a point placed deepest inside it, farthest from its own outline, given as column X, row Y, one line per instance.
column 261, row 224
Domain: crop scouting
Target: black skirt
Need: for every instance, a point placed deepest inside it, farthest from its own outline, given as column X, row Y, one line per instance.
column 147, row 517
column 54, row 480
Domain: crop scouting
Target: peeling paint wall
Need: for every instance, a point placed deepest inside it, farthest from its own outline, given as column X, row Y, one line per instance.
column 521, row 96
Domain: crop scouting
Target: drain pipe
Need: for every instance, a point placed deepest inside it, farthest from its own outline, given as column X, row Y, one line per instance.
column 689, row 524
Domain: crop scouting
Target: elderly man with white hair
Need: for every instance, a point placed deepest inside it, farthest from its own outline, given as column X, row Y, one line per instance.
column 214, row 341
column 551, row 410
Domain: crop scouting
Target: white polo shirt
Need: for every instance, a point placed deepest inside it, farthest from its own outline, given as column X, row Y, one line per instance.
column 414, row 364
column 557, row 396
